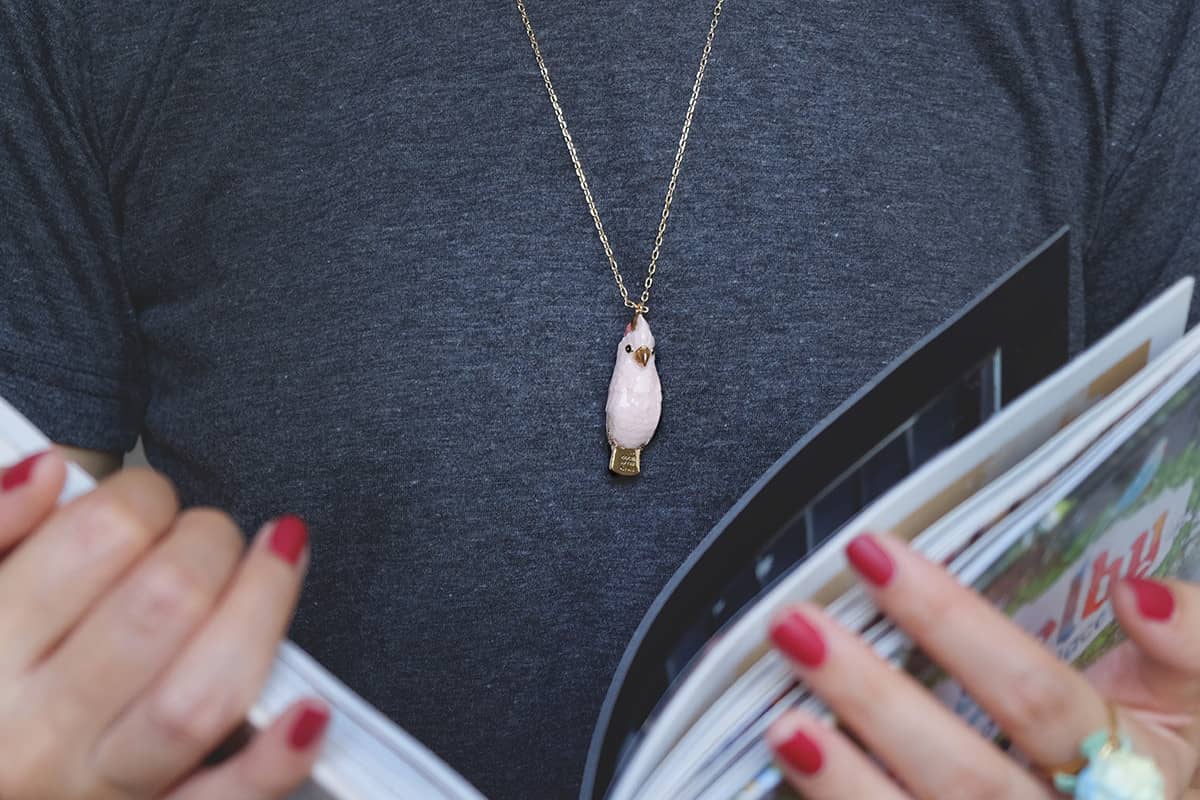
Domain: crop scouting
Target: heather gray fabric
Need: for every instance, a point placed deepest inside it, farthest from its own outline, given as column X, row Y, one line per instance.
column 331, row 258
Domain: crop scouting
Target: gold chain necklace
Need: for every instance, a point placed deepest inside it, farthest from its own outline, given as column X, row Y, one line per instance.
column 634, row 394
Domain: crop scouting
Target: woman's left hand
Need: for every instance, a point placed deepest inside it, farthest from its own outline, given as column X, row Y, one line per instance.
column 1046, row 707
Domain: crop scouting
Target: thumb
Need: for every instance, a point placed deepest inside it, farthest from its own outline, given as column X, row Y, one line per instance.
column 275, row 763
column 1162, row 618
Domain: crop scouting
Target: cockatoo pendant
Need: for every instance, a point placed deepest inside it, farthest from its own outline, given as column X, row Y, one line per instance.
column 634, row 398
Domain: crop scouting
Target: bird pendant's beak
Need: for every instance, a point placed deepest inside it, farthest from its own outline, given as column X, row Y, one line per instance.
column 642, row 355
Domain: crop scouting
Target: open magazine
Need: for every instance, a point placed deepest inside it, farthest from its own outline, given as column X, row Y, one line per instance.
column 1037, row 480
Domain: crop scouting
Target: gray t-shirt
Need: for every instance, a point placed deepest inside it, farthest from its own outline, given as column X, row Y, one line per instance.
column 332, row 258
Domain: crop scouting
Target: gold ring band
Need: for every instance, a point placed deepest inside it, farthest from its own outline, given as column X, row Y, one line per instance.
column 1075, row 765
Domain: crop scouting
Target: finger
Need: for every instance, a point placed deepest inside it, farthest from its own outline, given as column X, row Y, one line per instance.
column 138, row 628
column 205, row 693
column 933, row 752
column 28, row 490
column 50, row 580
column 822, row 764
column 1046, row 707
column 274, row 764
column 1162, row 618
column 1157, row 671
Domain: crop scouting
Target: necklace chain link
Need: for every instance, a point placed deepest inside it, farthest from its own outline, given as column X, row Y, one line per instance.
column 640, row 305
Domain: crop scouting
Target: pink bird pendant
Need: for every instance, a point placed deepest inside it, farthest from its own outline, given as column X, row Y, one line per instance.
column 634, row 398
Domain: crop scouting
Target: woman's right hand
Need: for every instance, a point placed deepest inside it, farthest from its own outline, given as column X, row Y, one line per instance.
column 133, row 640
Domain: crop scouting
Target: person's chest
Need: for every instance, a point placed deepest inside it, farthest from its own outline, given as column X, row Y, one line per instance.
column 369, row 291
column 372, row 207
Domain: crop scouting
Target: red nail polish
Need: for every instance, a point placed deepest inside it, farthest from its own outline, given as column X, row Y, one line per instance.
column 19, row 473
column 308, row 727
column 797, row 638
column 289, row 537
column 1154, row 600
column 801, row 753
column 870, row 560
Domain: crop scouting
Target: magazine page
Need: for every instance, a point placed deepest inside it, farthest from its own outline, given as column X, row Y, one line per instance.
column 945, row 384
column 957, row 538
column 909, row 508
column 1131, row 514
column 1125, row 507
column 365, row 755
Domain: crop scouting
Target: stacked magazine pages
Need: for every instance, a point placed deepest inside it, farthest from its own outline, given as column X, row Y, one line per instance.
column 1036, row 479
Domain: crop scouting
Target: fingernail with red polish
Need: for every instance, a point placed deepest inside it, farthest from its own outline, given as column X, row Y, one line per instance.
column 308, row 727
column 18, row 474
column 797, row 638
column 289, row 537
column 800, row 753
column 870, row 560
column 1154, row 600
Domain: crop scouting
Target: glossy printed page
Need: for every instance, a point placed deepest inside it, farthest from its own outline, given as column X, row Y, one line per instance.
column 912, row 506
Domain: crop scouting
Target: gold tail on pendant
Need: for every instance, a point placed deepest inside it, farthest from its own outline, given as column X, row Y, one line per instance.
column 625, row 460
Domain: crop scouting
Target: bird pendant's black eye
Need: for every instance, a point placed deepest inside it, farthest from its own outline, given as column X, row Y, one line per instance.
column 628, row 348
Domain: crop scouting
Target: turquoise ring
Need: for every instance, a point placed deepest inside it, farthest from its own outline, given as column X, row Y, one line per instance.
column 1109, row 769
